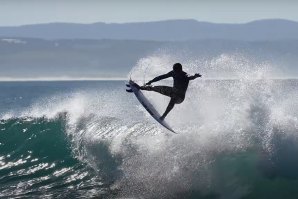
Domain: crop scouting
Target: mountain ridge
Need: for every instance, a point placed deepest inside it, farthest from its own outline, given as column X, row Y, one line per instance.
column 168, row 30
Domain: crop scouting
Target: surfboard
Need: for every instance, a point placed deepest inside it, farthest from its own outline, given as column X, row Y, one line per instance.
column 133, row 88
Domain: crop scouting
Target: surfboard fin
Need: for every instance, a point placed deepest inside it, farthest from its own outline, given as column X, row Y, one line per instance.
column 129, row 91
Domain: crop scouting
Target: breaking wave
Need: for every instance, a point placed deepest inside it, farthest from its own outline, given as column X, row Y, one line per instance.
column 237, row 138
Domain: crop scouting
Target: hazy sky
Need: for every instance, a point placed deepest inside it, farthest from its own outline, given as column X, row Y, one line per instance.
column 19, row 12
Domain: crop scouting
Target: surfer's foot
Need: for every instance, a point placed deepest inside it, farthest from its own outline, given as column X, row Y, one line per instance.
column 162, row 118
column 137, row 86
column 146, row 88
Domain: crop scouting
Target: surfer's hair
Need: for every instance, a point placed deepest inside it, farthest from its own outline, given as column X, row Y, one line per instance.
column 177, row 67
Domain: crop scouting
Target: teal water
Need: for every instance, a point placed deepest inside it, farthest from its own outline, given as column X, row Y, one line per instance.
column 92, row 140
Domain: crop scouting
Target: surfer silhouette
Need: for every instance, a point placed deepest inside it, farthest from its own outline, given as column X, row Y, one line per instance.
column 177, row 92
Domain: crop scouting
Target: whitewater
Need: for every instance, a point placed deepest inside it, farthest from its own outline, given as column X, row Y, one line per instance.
column 83, row 139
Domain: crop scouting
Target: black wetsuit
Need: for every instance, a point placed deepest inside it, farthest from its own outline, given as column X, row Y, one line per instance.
column 177, row 92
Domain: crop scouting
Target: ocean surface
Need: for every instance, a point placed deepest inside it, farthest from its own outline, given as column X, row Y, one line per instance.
column 91, row 139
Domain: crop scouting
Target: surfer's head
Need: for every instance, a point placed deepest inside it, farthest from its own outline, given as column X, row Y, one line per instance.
column 177, row 67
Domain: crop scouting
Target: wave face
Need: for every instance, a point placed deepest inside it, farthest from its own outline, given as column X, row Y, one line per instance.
column 36, row 161
column 237, row 138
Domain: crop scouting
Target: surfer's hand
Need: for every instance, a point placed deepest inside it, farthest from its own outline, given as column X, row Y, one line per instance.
column 198, row 75
column 148, row 83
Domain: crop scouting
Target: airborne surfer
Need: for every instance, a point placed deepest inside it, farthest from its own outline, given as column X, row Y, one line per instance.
column 177, row 92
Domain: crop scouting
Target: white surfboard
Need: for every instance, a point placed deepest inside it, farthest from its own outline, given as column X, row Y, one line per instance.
column 147, row 105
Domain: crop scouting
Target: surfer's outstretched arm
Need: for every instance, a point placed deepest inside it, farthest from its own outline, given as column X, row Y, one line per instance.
column 194, row 76
column 160, row 78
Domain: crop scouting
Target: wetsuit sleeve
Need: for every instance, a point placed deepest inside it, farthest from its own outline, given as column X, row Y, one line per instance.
column 191, row 77
column 194, row 76
column 170, row 74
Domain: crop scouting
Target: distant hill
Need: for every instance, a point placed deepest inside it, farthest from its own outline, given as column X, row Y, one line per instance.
column 172, row 30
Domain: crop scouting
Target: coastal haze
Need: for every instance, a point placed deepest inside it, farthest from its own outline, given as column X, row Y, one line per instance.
column 102, row 50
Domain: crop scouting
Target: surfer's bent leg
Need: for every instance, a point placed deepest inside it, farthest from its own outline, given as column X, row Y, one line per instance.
column 164, row 90
column 169, row 108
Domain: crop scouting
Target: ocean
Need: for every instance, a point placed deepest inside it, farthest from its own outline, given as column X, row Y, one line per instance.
column 91, row 139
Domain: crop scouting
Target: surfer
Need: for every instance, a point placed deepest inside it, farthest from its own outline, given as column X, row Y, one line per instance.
column 177, row 92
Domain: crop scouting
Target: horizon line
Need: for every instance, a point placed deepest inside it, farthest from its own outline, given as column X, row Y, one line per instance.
column 50, row 79
column 153, row 21
column 124, row 79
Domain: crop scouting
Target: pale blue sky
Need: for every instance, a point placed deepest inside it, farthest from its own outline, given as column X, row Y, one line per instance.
column 19, row 12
